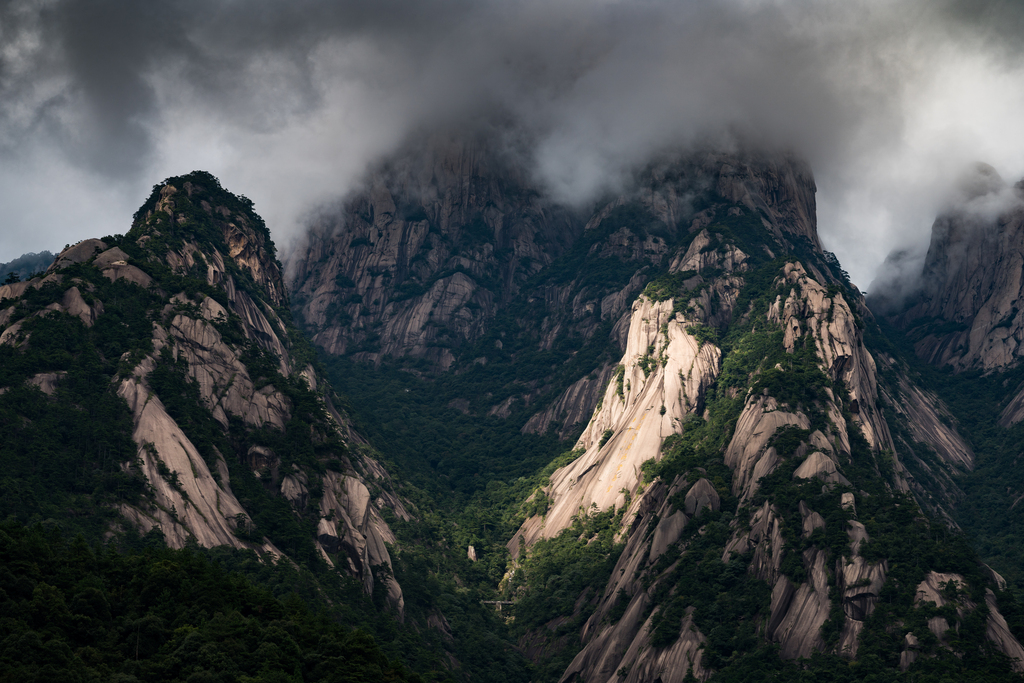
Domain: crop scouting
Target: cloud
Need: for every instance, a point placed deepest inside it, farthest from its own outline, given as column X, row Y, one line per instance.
column 289, row 103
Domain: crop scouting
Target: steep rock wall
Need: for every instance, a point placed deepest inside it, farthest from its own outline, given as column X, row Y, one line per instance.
column 965, row 312
column 665, row 364
column 447, row 235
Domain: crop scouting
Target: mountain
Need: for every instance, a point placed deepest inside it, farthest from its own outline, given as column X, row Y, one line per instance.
column 965, row 312
column 660, row 437
column 954, row 322
column 187, row 316
column 26, row 265
column 761, row 478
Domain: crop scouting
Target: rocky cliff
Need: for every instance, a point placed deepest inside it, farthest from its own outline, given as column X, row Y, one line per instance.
column 742, row 442
column 238, row 442
column 752, row 482
column 452, row 256
column 962, row 309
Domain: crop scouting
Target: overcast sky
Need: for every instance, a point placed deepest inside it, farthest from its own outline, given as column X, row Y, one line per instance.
column 288, row 102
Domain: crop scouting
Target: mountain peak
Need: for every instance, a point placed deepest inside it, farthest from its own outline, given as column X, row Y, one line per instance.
column 195, row 208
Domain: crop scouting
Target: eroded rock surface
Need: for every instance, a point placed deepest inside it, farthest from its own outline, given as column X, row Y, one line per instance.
column 664, row 373
column 227, row 333
column 964, row 311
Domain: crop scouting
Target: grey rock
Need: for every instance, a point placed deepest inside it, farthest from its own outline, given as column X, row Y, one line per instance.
column 820, row 465
column 77, row 253
column 811, row 520
column 47, row 381
column 702, row 495
column 666, row 533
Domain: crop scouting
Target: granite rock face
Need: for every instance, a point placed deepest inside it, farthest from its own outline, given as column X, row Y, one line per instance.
column 202, row 264
column 963, row 309
column 422, row 260
column 448, row 235
column 661, row 387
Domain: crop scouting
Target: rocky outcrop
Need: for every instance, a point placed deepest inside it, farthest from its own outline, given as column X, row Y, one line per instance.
column 187, row 500
column 935, row 589
column 929, row 420
column 662, row 379
column 231, row 222
column 666, row 365
column 748, row 454
column 861, row 583
column 798, row 612
column 625, row 645
column 808, row 312
column 831, row 323
column 928, row 438
column 997, row 631
column 352, row 527
column 574, row 407
column 47, row 381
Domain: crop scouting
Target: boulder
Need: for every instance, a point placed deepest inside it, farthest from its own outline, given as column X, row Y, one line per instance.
column 702, row 495
column 666, row 533
column 821, row 466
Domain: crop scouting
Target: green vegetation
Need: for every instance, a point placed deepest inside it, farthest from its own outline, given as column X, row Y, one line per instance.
column 560, row 582
column 62, row 454
column 75, row 612
column 668, row 286
column 987, row 512
column 703, row 333
column 193, row 221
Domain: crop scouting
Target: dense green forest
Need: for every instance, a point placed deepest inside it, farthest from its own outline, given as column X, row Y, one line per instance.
column 987, row 513
column 71, row 611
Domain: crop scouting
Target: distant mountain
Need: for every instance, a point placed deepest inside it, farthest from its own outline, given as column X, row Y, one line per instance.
column 26, row 265
column 956, row 323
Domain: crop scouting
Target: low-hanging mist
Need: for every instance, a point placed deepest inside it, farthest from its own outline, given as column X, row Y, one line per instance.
column 291, row 103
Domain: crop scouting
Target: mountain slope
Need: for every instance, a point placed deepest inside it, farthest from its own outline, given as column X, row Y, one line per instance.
column 953, row 330
column 230, row 443
column 778, row 437
column 748, row 486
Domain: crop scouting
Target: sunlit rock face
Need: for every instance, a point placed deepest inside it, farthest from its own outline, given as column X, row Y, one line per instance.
column 688, row 430
column 671, row 379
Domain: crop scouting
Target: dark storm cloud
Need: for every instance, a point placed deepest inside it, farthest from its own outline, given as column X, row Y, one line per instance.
column 288, row 102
